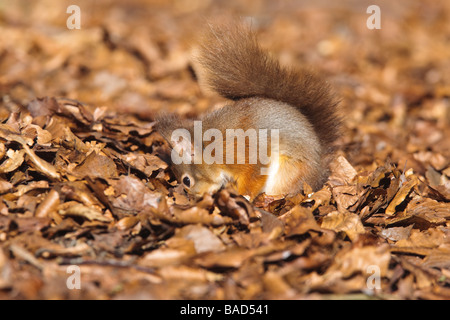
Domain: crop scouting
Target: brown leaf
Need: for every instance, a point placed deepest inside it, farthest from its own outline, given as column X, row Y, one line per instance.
column 146, row 163
column 299, row 221
column 79, row 210
column 440, row 192
column 130, row 194
column 347, row 222
column 177, row 251
column 400, row 197
column 5, row 186
column 271, row 224
column 269, row 203
column 437, row 260
column 359, row 260
column 43, row 107
column 433, row 238
column 204, row 240
column 430, row 210
column 319, row 198
column 396, row 233
column 232, row 258
column 96, row 165
column 127, row 223
column 15, row 160
column 342, row 172
column 234, row 207
column 196, row 215
column 185, row 273
column 346, row 197
column 48, row 205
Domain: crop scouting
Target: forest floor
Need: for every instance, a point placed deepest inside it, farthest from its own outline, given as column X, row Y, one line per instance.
column 88, row 209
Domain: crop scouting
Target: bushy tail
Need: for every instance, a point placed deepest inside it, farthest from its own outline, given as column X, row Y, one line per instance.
column 236, row 67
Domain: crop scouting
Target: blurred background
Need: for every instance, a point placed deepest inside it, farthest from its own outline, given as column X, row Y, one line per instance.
column 134, row 56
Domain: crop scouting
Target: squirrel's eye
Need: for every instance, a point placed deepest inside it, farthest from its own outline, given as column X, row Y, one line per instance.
column 187, row 181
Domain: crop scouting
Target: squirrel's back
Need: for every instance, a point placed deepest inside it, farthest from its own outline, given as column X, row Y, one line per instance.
column 235, row 66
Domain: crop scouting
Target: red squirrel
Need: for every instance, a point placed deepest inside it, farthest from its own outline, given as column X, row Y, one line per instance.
column 295, row 103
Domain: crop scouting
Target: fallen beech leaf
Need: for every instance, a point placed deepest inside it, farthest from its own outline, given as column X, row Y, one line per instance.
column 15, row 160
column 79, row 191
column 423, row 279
column 429, row 210
column 23, row 189
column 48, row 205
column 286, row 252
column 146, row 163
column 347, row 222
column 185, row 273
column 44, row 137
column 175, row 252
column 204, row 240
column 342, row 172
column 23, row 225
column 319, row 198
column 40, row 165
column 164, row 257
column 5, row 186
column 232, row 258
column 181, row 197
column 79, row 210
column 437, row 260
column 437, row 160
column 96, row 165
column 74, row 109
column 10, row 134
column 400, row 197
column 24, row 254
column 433, row 238
column 127, row 223
column 276, row 285
column 270, row 203
column 2, row 150
column 380, row 174
column 77, row 250
column 43, row 106
column 346, row 197
column 197, row 215
column 396, row 233
column 298, row 221
column 440, row 192
column 359, row 260
column 231, row 207
column 271, row 224
column 71, row 141
column 433, row 176
column 132, row 195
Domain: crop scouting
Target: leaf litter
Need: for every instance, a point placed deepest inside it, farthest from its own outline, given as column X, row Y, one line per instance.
column 83, row 179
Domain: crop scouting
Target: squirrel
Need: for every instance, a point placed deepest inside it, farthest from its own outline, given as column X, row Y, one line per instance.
column 297, row 104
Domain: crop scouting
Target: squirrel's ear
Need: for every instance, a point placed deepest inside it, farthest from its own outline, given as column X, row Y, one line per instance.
column 165, row 124
column 175, row 132
column 183, row 150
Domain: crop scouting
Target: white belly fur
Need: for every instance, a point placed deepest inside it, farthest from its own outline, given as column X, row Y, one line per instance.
column 271, row 182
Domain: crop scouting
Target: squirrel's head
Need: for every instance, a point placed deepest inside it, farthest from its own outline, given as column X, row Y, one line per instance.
column 190, row 169
column 198, row 179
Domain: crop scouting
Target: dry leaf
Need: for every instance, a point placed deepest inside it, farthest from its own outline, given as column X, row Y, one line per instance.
column 79, row 210
column 349, row 223
column 400, row 197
